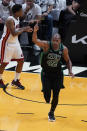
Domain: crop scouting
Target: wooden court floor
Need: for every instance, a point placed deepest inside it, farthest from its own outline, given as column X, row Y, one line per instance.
column 26, row 110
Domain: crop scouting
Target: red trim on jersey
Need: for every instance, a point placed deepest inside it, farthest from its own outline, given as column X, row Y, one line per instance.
column 21, row 59
column 17, row 59
column 4, row 62
column 3, row 45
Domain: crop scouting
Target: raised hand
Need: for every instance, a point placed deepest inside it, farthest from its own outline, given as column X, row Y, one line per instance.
column 36, row 28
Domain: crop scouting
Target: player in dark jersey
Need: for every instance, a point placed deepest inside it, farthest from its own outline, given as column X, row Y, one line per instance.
column 52, row 74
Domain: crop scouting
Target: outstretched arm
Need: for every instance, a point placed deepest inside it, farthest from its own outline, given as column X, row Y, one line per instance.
column 68, row 61
column 40, row 43
column 10, row 25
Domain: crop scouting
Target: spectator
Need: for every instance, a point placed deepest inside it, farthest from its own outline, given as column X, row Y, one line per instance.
column 32, row 13
column 58, row 6
column 19, row 1
column 46, row 7
column 82, row 7
column 72, row 6
column 67, row 16
column 5, row 10
column 31, row 10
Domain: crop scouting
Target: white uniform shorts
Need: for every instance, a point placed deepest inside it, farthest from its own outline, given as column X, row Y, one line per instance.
column 11, row 52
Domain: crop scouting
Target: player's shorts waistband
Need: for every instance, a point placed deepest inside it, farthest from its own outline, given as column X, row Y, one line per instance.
column 12, row 44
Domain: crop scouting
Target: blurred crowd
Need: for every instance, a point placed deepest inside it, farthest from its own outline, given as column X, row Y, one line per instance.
column 52, row 15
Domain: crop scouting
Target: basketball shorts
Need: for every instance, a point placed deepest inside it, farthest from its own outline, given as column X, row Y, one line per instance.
column 11, row 52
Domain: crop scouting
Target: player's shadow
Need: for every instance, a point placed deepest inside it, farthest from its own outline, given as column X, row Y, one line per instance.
column 2, row 130
column 25, row 113
column 61, row 116
column 16, row 88
column 58, row 117
column 83, row 120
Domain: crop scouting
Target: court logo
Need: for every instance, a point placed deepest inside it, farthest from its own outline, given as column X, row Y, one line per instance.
column 81, row 40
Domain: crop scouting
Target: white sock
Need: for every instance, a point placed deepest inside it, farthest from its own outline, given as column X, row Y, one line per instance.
column 0, row 76
column 17, row 76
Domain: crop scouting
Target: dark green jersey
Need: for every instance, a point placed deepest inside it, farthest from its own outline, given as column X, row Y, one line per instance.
column 51, row 60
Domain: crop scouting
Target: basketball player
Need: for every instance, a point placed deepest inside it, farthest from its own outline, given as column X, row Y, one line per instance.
column 10, row 46
column 52, row 74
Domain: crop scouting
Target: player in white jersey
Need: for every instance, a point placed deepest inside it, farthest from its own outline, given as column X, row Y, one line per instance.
column 10, row 47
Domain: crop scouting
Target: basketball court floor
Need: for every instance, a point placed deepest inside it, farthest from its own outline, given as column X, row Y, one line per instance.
column 26, row 110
